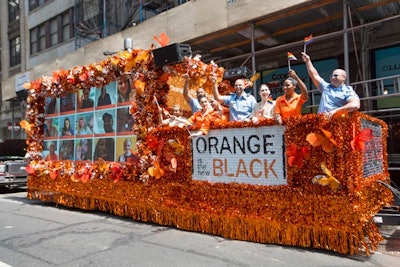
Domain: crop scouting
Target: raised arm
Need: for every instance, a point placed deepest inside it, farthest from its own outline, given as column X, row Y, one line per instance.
column 312, row 71
column 216, row 94
column 186, row 88
column 301, row 84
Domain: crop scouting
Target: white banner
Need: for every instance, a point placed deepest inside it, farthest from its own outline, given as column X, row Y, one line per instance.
column 20, row 79
column 241, row 155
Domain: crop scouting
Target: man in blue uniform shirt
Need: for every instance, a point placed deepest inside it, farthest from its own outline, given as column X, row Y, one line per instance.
column 336, row 95
column 240, row 103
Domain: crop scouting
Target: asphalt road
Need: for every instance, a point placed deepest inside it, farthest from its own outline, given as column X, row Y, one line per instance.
column 34, row 233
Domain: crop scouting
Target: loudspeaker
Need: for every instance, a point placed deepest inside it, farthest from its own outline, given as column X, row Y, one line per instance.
column 22, row 95
column 236, row 73
column 171, row 54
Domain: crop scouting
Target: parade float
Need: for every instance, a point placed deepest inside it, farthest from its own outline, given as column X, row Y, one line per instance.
column 313, row 182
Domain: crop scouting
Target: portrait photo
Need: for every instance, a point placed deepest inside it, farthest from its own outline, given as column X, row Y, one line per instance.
column 66, row 150
column 67, row 103
column 50, row 127
column 84, row 124
column 104, row 123
column 104, row 149
column 49, row 152
column 51, row 106
column 67, row 126
column 106, row 96
column 85, row 100
column 83, row 149
column 124, row 121
column 125, row 94
column 125, row 149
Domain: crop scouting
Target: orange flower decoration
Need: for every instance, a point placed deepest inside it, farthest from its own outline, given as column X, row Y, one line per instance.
column 30, row 170
column 296, row 155
column 325, row 141
column 358, row 142
column 85, row 172
column 116, row 172
column 54, row 174
column 26, row 125
column 139, row 86
column 83, row 77
column 156, row 171
column 152, row 141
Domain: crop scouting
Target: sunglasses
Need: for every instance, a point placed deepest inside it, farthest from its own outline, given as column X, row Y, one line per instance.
column 335, row 75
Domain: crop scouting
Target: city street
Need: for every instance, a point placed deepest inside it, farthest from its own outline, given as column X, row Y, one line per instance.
column 34, row 233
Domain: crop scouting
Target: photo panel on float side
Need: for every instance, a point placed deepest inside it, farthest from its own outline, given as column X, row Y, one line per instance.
column 104, row 122
column 83, row 149
column 51, row 128
column 51, row 106
column 124, row 121
column 106, row 96
column 66, row 150
column 85, row 99
column 84, row 124
column 50, row 152
column 125, row 148
column 67, row 103
column 104, row 148
column 67, row 126
column 126, row 93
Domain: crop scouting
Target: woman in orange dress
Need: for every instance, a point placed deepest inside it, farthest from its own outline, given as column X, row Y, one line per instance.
column 290, row 103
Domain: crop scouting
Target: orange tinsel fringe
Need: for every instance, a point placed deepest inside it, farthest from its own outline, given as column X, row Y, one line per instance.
column 252, row 213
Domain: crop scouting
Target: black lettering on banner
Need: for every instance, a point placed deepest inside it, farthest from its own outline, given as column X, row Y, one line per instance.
column 203, row 143
column 252, row 144
column 236, row 143
column 213, row 142
column 267, row 144
column 225, row 145
column 256, row 145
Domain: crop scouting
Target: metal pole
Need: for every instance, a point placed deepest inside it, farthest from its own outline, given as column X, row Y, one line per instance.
column 345, row 41
column 141, row 12
column 253, row 59
column 13, row 118
column 104, row 19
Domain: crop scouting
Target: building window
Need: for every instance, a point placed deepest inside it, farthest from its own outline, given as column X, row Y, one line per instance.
column 34, row 40
column 13, row 10
column 15, row 51
column 66, row 25
column 42, row 37
column 52, row 32
column 36, row 3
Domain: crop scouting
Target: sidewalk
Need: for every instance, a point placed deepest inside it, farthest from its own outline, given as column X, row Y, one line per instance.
column 391, row 244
